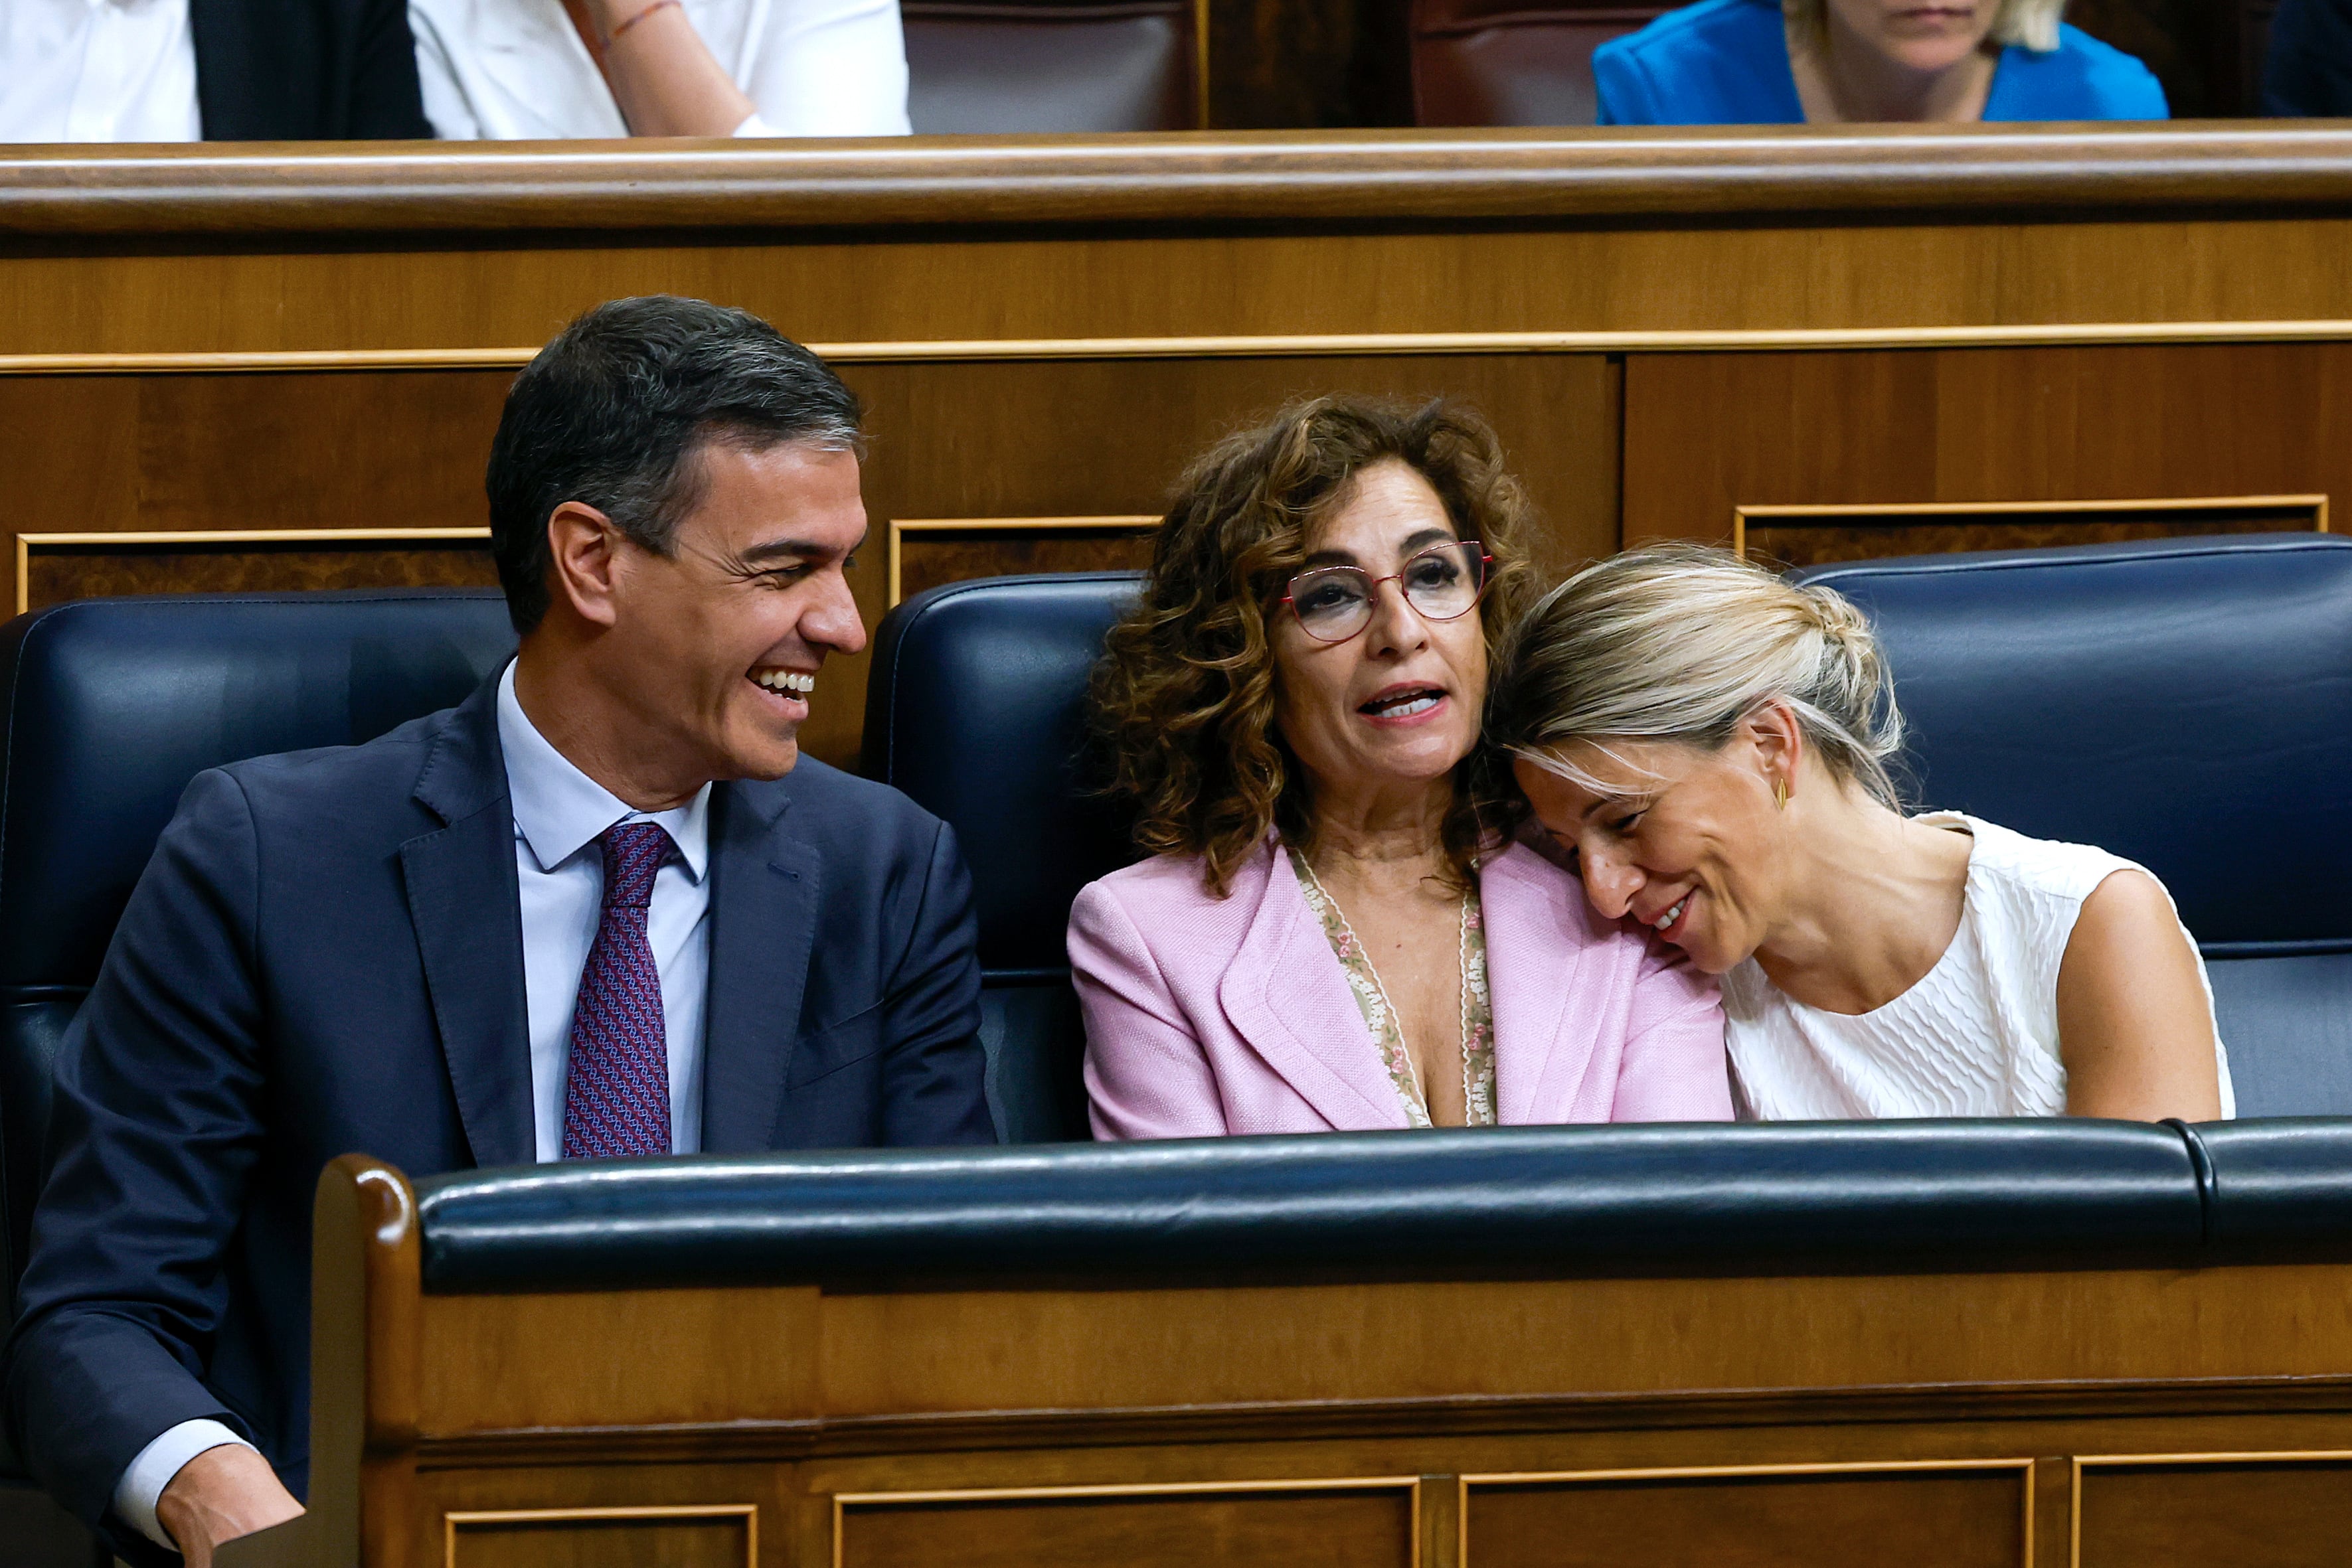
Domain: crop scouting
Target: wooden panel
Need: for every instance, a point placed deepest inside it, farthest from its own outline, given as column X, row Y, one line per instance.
column 991, row 438
column 1635, row 279
column 1312, row 1528
column 1706, row 434
column 2252, row 1513
column 1110, row 1347
column 250, row 451
column 92, row 570
column 692, row 1355
column 603, row 1538
column 926, row 553
column 1957, row 1517
column 1810, row 535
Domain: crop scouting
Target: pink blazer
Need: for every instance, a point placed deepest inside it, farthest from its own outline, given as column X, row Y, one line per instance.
column 1207, row 1016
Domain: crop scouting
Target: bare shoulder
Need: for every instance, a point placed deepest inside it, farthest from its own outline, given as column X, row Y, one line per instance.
column 2129, row 907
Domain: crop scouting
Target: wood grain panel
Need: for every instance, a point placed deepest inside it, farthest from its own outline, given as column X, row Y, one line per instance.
column 246, row 452
column 59, row 572
column 1952, row 1519
column 1805, row 536
column 406, row 294
column 690, row 1356
column 928, row 559
column 1286, row 1528
column 2249, row 1514
column 374, row 447
column 1133, row 1347
column 594, row 1538
column 1706, row 434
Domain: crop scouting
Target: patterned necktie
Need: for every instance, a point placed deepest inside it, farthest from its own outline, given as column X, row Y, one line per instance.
column 616, row 1095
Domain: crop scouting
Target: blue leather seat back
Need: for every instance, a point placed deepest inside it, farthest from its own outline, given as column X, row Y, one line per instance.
column 976, row 708
column 114, row 704
column 2186, row 704
column 1880, row 1196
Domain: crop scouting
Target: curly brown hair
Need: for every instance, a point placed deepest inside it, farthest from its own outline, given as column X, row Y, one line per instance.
column 1183, row 699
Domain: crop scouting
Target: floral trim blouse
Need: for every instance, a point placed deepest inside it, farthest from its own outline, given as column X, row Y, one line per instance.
column 1380, row 1018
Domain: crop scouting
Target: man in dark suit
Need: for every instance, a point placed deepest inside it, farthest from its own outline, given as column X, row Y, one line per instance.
column 602, row 908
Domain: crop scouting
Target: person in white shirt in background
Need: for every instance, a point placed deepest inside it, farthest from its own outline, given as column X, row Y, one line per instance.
column 215, row 70
column 543, row 70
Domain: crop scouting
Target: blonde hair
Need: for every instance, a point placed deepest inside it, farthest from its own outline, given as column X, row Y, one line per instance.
column 2030, row 24
column 1682, row 643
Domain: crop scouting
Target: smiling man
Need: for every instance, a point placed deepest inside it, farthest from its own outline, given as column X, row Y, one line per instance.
column 603, row 908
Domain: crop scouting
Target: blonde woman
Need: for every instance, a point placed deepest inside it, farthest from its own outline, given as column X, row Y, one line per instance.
column 1836, row 62
column 1707, row 747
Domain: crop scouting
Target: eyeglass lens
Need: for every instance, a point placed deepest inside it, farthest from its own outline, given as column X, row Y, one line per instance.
column 1334, row 602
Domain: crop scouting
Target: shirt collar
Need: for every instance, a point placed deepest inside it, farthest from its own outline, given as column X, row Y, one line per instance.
column 560, row 811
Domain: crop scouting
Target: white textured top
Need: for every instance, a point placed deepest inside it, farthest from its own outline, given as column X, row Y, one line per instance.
column 1977, row 1036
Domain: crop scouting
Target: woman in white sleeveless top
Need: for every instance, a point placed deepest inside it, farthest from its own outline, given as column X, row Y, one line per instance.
column 1708, row 744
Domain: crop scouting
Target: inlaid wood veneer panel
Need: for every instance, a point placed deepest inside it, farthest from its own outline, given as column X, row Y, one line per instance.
column 587, row 1541
column 97, row 570
column 1341, row 1527
column 929, row 559
column 1706, row 434
column 1890, row 1519
column 1814, row 537
column 506, row 1363
column 2252, row 1513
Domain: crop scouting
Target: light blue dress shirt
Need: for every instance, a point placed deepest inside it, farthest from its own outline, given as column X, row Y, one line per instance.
column 1725, row 62
column 559, row 814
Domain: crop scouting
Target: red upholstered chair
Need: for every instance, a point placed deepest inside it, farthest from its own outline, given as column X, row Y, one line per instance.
column 1002, row 68
column 1505, row 62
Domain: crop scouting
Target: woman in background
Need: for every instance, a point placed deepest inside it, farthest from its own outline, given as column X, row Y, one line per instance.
column 1708, row 744
column 542, row 69
column 1836, row 62
column 1335, row 931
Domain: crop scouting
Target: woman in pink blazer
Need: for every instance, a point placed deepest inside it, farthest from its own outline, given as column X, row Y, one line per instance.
column 1337, row 931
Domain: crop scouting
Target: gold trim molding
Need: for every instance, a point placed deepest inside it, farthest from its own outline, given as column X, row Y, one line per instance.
column 2287, row 506
column 1409, row 1485
column 1267, row 345
column 748, row 1512
column 2156, row 1461
column 2023, row 1469
column 26, row 544
column 1135, row 522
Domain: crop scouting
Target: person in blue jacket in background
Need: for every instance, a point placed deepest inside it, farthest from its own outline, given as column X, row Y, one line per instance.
column 1829, row 62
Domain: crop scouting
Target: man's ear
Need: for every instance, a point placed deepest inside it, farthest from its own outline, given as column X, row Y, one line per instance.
column 584, row 549
column 1778, row 740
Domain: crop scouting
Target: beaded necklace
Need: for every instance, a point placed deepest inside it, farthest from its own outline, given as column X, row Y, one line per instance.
column 1380, row 1014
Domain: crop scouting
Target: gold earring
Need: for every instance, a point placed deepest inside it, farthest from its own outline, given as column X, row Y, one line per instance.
column 1780, row 794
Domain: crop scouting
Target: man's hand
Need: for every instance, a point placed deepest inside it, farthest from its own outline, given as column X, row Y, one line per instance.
column 219, row 1495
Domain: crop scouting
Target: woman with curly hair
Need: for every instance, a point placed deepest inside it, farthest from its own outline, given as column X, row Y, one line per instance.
column 1336, row 930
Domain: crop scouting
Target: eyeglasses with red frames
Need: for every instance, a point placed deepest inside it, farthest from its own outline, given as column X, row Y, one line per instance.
column 1443, row 582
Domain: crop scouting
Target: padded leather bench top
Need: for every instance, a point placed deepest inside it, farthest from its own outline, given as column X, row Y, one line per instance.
column 1918, row 1195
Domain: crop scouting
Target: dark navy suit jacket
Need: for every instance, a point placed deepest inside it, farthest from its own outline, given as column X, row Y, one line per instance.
column 324, row 956
column 306, row 70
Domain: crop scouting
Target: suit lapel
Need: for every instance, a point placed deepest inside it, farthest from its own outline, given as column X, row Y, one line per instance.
column 1532, row 914
column 463, row 899
column 765, row 889
column 1287, row 995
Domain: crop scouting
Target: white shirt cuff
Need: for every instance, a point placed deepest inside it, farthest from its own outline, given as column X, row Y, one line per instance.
column 142, row 1483
column 754, row 126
